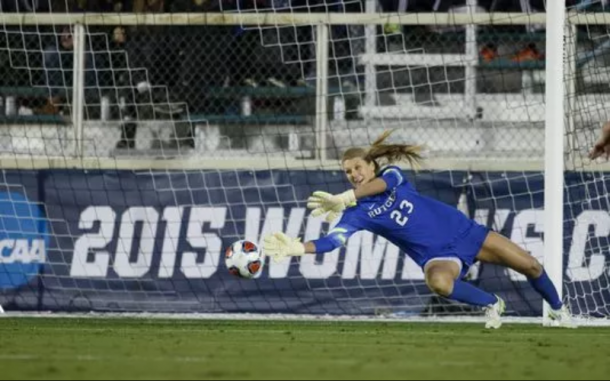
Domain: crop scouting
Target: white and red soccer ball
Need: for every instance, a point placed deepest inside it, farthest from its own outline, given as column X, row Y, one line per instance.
column 244, row 259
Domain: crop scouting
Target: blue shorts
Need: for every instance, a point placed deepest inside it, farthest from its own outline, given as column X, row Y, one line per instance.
column 465, row 248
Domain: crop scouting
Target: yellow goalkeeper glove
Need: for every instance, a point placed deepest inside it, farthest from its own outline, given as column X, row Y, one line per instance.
column 279, row 246
column 334, row 205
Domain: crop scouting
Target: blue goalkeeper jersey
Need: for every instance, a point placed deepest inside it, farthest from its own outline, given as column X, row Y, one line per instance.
column 422, row 227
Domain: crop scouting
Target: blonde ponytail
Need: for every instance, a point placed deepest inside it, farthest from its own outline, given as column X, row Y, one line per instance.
column 389, row 153
column 393, row 153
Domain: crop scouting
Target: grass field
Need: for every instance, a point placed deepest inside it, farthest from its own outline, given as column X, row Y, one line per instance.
column 40, row 348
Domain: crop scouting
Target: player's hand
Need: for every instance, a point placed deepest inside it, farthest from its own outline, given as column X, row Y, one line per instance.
column 334, row 205
column 602, row 145
column 279, row 246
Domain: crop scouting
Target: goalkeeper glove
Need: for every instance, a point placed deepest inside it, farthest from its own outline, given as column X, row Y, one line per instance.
column 322, row 202
column 279, row 246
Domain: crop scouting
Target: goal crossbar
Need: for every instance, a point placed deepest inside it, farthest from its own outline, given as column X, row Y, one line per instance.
column 277, row 18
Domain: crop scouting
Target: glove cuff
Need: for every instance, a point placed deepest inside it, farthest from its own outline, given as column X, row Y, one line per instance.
column 298, row 249
column 349, row 197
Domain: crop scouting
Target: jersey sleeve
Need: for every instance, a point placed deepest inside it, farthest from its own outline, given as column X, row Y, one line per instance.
column 337, row 237
column 393, row 176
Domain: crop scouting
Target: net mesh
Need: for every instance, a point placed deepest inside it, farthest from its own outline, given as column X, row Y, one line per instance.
column 196, row 135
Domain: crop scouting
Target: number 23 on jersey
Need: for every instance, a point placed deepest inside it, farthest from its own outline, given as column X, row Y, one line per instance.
column 401, row 215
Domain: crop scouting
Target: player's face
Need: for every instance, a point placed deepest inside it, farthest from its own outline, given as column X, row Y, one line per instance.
column 358, row 171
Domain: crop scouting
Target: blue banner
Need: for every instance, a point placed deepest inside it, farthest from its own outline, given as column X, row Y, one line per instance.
column 144, row 241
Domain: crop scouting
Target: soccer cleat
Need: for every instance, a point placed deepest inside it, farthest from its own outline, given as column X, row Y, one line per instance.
column 562, row 318
column 494, row 314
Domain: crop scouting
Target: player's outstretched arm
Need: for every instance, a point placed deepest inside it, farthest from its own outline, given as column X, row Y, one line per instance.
column 279, row 246
column 376, row 186
column 323, row 202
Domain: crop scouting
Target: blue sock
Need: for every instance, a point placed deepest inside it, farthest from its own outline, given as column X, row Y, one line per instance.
column 545, row 287
column 469, row 294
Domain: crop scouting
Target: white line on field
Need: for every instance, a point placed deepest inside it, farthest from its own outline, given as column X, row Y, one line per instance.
column 32, row 357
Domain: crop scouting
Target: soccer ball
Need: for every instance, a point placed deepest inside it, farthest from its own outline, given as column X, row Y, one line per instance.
column 244, row 259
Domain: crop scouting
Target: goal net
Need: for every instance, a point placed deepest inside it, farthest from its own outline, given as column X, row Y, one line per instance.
column 137, row 147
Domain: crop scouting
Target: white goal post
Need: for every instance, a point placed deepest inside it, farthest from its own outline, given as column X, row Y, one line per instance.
column 554, row 138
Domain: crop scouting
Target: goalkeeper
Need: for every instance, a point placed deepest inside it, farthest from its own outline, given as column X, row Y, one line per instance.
column 439, row 238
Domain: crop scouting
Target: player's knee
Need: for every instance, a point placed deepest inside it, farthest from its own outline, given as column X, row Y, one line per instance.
column 440, row 284
column 534, row 269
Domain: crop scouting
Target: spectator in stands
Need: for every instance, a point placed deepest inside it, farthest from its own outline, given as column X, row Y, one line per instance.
column 156, row 47
column 127, row 87
column 59, row 65
column 25, row 43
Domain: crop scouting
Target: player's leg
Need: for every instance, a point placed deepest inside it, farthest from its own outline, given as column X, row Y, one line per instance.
column 441, row 274
column 498, row 249
column 442, row 277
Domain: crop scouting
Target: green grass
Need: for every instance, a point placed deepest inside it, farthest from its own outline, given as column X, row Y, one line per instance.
column 37, row 348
